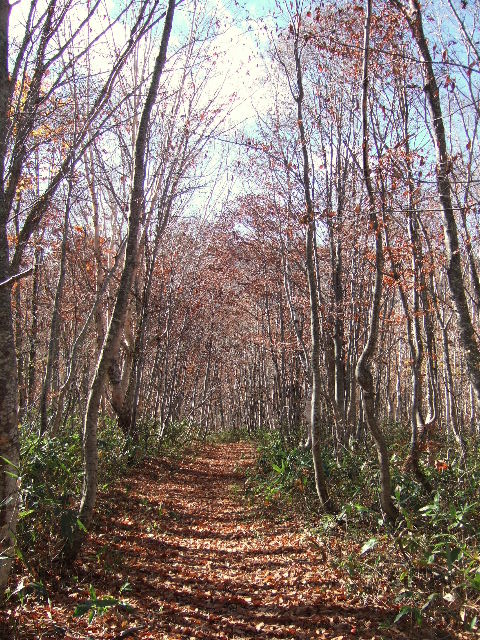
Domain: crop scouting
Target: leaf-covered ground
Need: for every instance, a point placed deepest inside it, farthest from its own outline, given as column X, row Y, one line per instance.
column 178, row 543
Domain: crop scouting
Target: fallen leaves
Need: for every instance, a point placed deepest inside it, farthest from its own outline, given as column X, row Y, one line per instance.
column 201, row 564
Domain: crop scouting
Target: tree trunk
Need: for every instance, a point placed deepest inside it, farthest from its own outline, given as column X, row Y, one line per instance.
column 363, row 371
column 114, row 332
column 9, row 445
column 32, row 354
column 315, row 411
column 52, row 357
column 413, row 15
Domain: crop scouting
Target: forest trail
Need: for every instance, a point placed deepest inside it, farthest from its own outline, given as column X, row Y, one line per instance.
column 201, row 563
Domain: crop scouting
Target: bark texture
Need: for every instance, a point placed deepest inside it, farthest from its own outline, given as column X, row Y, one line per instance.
column 363, row 371
column 114, row 332
column 320, row 482
column 9, row 446
column 413, row 15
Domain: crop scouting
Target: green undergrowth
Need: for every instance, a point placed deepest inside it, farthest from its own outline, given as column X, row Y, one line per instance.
column 431, row 558
column 51, row 475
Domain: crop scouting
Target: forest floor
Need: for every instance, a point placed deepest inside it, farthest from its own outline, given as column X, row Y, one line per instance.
column 195, row 560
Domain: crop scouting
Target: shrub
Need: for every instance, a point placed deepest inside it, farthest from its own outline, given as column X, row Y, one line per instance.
column 51, row 472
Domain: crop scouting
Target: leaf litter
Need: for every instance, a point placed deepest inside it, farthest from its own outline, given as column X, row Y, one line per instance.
column 191, row 559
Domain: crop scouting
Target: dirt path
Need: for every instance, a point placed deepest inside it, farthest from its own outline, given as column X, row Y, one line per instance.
column 201, row 565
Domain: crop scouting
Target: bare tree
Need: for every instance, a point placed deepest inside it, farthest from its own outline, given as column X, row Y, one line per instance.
column 24, row 97
column 363, row 371
column 413, row 15
column 115, row 328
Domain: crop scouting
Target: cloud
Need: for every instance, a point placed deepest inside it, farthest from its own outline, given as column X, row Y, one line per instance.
column 240, row 69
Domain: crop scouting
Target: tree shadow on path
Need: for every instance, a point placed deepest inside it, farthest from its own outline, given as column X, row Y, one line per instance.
column 199, row 564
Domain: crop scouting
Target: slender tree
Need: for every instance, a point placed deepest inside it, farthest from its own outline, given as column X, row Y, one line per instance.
column 115, row 328
column 413, row 15
column 363, row 371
